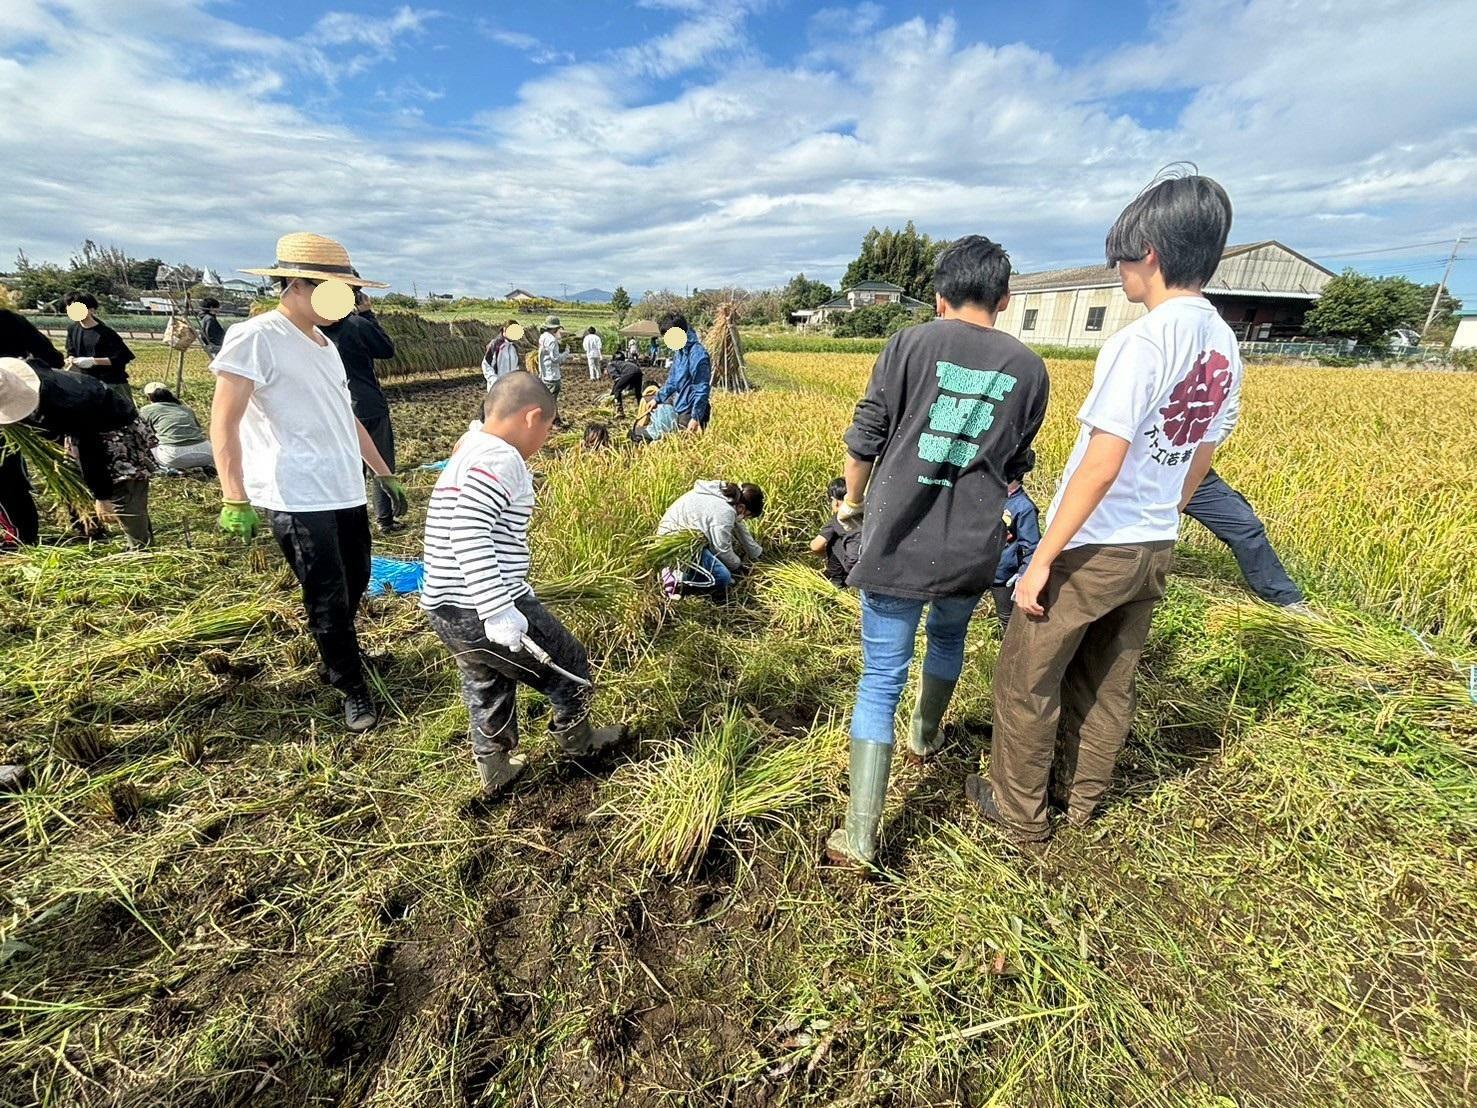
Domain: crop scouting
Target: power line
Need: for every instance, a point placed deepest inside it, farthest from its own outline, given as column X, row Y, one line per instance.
column 1387, row 249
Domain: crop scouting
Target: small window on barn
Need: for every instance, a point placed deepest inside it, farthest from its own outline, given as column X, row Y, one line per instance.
column 1028, row 321
column 1095, row 318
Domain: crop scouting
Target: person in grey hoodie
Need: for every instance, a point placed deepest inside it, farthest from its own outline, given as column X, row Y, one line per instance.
column 716, row 510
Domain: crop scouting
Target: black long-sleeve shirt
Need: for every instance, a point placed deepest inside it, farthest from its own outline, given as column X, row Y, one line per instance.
column 20, row 339
column 360, row 340
column 949, row 407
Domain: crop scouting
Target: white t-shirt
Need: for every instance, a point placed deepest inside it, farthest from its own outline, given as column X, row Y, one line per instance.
column 299, row 446
column 550, row 367
column 592, row 346
column 1166, row 382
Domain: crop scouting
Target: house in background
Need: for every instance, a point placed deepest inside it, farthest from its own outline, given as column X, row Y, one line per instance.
column 1262, row 289
column 864, row 294
column 522, row 294
column 1466, row 330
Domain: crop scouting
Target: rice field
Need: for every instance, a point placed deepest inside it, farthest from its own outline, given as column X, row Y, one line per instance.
column 211, row 895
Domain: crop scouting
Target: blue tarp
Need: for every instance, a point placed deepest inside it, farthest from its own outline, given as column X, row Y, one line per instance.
column 392, row 575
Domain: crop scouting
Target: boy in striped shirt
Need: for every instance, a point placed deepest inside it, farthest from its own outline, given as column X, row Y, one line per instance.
column 476, row 592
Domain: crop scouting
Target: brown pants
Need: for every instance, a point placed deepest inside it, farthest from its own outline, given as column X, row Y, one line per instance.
column 1064, row 682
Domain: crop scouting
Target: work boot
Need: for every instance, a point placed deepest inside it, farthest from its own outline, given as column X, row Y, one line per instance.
column 934, row 694
column 582, row 739
column 981, row 796
column 359, row 710
column 390, row 526
column 855, row 844
column 499, row 769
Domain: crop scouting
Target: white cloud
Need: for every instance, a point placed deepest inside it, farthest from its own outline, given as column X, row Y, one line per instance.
column 752, row 169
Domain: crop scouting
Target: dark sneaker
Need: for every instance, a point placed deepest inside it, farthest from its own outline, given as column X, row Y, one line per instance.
column 390, row 526
column 359, row 711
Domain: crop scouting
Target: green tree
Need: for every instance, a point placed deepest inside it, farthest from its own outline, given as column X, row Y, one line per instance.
column 1365, row 309
column 620, row 303
column 905, row 258
column 802, row 293
column 874, row 322
column 143, row 271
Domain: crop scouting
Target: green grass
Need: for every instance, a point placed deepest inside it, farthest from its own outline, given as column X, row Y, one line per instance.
column 212, row 895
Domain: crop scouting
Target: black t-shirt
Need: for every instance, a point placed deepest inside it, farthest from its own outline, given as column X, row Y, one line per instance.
column 950, row 410
column 100, row 341
column 212, row 334
column 360, row 340
column 842, row 548
column 20, row 339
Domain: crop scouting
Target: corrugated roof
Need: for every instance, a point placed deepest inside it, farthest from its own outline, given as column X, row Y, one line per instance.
column 1101, row 276
column 874, row 286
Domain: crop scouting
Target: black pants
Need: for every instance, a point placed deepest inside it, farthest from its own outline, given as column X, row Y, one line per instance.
column 384, row 441
column 627, row 383
column 1004, row 597
column 329, row 555
column 1232, row 520
column 16, row 500
column 490, row 675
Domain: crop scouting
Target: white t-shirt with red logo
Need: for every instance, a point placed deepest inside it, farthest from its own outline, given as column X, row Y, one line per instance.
column 1166, row 382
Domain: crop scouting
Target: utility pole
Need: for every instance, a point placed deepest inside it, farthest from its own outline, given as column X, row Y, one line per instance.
column 1436, row 300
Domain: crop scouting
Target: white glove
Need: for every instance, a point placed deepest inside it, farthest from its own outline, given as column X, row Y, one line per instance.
column 849, row 516
column 506, row 629
column 84, row 363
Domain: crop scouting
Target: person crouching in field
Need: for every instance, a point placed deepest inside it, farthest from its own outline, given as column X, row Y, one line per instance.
column 951, row 408
column 476, row 593
column 716, row 510
column 1165, row 393
column 839, row 547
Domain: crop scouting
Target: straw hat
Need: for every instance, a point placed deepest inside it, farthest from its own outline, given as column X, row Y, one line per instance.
column 20, row 390
column 154, row 386
column 553, row 324
column 302, row 254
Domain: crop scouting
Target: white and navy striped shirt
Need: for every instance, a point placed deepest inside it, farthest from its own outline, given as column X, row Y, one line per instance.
column 476, row 548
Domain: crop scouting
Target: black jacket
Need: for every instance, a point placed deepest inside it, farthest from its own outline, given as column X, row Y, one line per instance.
column 950, row 405
column 20, row 339
column 360, row 340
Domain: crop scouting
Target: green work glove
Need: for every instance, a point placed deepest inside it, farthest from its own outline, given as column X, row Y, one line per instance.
column 390, row 485
column 239, row 518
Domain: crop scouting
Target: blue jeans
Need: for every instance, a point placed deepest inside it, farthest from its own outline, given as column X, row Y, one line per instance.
column 708, row 566
column 1228, row 516
column 889, row 626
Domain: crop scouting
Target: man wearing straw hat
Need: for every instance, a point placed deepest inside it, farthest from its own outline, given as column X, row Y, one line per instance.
column 286, row 440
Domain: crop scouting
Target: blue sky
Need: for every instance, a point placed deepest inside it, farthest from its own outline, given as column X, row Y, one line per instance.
column 668, row 143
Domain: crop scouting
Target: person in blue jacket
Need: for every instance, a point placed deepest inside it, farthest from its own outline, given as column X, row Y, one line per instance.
column 689, row 379
column 1022, row 532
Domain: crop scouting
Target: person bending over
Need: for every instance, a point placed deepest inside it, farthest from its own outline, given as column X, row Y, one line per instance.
column 716, row 510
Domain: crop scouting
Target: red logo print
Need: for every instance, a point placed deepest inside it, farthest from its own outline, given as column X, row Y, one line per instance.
column 1196, row 400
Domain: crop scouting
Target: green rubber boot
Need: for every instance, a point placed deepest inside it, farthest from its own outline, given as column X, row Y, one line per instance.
column 856, row 843
column 934, row 694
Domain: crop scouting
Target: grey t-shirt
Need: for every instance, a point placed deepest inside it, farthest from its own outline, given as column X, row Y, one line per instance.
column 173, row 424
column 949, row 406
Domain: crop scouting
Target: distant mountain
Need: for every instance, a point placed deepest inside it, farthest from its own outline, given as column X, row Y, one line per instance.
column 590, row 296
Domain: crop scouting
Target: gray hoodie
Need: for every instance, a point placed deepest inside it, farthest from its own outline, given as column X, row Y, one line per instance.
column 706, row 510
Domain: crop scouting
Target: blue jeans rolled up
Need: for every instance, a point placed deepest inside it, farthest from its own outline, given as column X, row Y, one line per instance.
column 889, row 627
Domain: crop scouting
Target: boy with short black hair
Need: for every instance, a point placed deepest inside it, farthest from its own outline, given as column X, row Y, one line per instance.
column 1165, row 393
column 476, row 592
column 950, row 407
column 95, row 348
column 839, row 546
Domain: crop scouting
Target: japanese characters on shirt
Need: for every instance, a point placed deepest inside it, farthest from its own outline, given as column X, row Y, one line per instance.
column 964, row 410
